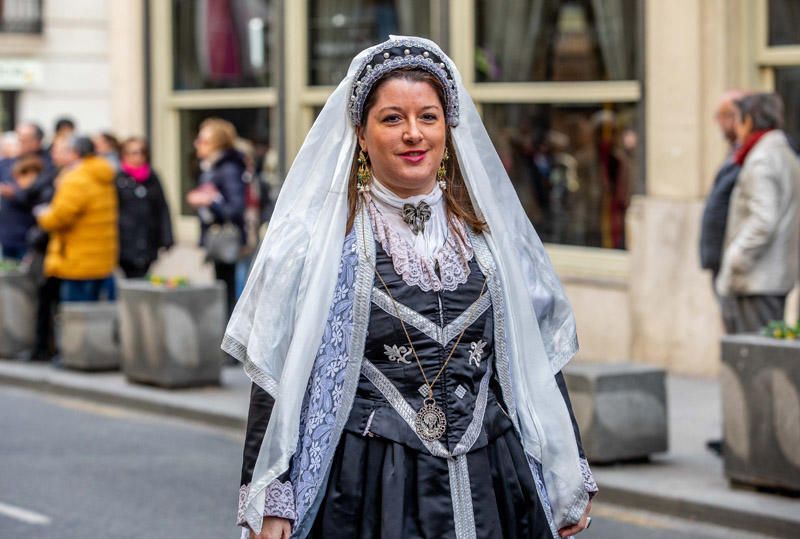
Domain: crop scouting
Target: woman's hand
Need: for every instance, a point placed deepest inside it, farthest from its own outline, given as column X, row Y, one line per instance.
column 274, row 528
column 569, row 531
column 198, row 198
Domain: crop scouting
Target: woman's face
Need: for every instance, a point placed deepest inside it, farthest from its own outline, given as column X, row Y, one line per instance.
column 203, row 144
column 404, row 135
column 133, row 154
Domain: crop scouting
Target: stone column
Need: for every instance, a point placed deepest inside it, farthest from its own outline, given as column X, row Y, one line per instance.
column 127, row 66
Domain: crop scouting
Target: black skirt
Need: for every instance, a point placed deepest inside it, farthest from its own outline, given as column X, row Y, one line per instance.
column 382, row 489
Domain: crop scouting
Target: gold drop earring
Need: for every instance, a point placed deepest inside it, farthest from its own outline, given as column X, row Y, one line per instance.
column 363, row 174
column 441, row 174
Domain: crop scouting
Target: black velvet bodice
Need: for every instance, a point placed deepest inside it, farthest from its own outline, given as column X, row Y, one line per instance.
column 434, row 321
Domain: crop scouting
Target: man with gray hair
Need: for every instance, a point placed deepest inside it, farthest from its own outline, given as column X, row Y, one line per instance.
column 761, row 258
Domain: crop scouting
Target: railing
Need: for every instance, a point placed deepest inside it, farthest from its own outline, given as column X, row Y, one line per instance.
column 21, row 16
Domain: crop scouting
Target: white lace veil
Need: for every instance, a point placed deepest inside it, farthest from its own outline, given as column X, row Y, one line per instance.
column 277, row 325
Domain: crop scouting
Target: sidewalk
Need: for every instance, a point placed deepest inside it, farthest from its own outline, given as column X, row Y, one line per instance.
column 687, row 481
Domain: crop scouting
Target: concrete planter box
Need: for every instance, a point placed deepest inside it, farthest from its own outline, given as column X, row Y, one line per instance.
column 87, row 339
column 171, row 337
column 621, row 410
column 760, row 384
column 18, row 301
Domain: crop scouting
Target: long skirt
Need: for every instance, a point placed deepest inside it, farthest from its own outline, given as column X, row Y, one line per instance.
column 381, row 489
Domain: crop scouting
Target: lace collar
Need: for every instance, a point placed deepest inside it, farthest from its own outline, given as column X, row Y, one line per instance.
column 416, row 269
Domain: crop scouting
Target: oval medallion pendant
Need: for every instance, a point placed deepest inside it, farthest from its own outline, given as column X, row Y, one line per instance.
column 430, row 422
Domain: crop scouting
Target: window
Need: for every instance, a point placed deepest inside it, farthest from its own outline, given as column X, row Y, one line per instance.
column 571, row 154
column 337, row 31
column 787, row 84
column 21, row 16
column 784, row 22
column 222, row 44
column 556, row 40
column 252, row 124
column 573, row 167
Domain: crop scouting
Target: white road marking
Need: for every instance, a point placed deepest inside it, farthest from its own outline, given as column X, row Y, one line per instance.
column 29, row 517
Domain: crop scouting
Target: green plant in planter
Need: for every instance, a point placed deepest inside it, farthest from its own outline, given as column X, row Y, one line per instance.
column 779, row 329
column 8, row 265
column 169, row 282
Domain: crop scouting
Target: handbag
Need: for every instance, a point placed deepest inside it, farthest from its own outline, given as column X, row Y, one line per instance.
column 223, row 243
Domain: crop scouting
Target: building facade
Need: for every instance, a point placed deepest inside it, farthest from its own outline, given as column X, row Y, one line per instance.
column 602, row 111
column 78, row 59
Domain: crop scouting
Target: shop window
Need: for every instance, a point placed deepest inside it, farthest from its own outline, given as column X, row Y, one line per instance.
column 784, row 22
column 337, row 31
column 222, row 43
column 787, row 84
column 574, row 167
column 556, row 40
column 253, row 125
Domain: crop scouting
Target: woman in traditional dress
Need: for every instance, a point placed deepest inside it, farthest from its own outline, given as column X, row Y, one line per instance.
column 404, row 317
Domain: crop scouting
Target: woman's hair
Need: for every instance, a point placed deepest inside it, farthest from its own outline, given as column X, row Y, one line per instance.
column 142, row 141
column 26, row 165
column 223, row 133
column 458, row 202
column 765, row 110
column 110, row 139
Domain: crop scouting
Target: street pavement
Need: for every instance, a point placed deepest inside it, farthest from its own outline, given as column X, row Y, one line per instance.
column 73, row 469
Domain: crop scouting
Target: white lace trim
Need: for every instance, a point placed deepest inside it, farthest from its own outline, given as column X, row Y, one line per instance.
column 279, row 502
column 244, row 490
column 588, row 478
column 416, row 270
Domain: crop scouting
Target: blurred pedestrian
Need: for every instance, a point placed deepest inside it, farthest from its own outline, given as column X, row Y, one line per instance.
column 64, row 127
column 144, row 219
column 715, row 213
column 31, row 142
column 107, row 146
column 255, row 192
column 82, row 222
column 220, row 200
column 762, row 239
column 16, row 218
column 9, row 146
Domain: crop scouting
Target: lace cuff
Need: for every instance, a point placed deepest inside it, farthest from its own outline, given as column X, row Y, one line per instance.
column 279, row 502
column 588, row 479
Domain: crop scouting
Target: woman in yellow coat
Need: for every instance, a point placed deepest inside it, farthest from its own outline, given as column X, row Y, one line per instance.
column 82, row 221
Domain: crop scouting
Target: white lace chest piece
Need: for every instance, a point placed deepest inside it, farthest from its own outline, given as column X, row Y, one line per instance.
column 416, row 269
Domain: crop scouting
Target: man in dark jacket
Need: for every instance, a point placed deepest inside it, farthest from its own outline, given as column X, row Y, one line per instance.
column 715, row 214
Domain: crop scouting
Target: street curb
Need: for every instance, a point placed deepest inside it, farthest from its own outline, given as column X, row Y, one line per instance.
column 143, row 404
column 773, row 526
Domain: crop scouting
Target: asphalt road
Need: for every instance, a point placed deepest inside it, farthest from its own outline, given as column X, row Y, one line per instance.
column 70, row 469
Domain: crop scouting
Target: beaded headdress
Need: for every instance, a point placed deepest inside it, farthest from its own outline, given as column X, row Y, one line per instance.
column 397, row 54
